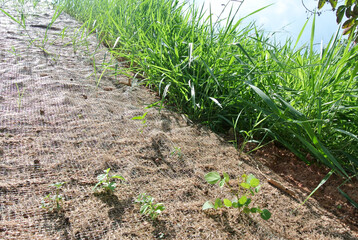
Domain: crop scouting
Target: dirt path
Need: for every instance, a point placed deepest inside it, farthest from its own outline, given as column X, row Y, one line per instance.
column 57, row 125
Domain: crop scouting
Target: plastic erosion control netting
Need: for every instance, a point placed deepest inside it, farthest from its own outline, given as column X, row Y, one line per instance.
column 66, row 115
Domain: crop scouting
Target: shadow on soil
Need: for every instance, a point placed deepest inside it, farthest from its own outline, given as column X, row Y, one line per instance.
column 57, row 221
column 161, row 230
column 118, row 206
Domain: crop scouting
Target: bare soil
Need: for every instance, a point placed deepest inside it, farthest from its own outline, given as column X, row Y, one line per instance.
column 58, row 124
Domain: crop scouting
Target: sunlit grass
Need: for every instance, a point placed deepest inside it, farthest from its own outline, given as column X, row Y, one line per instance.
column 306, row 99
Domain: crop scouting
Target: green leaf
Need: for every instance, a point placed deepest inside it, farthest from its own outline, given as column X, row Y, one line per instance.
column 94, row 188
column 349, row 2
column 254, row 210
column 248, row 202
column 254, row 182
column 222, row 182
column 348, row 12
column 265, row 98
column 58, row 184
column 333, row 3
column 244, row 51
column 143, row 209
column 218, row 203
column 355, row 10
column 355, row 204
column 216, row 102
column 347, row 133
column 243, row 200
column 321, row 3
column 226, row 177
column 101, row 177
column 323, row 181
column 208, row 205
column 7, row 14
column 112, row 186
column 140, row 117
column 245, row 185
column 227, row 203
column 265, row 215
column 160, row 207
column 348, row 23
column 212, row 177
column 246, row 210
column 340, row 13
column 118, row 177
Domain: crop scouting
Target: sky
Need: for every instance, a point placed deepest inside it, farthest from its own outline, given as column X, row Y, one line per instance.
column 285, row 17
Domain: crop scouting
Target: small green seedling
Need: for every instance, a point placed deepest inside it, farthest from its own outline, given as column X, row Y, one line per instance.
column 20, row 95
column 177, row 151
column 106, row 182
column 53, row 202
column 247, row 185
column 147, row 207
column 144, row 121
column 14, row 52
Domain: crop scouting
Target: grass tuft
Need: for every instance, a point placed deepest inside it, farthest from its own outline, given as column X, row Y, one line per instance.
column 215, row 70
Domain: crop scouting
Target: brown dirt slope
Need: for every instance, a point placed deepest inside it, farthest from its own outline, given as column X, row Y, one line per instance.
column 57, row 125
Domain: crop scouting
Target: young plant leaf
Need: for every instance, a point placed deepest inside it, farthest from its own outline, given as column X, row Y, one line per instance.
column 222, row 182
column 227, row 202
column 245, row 185
column 208, row 205
column 226, row 177
column 246, row 210
column 254, row 210
column 218, row 203
column 118, row 177
column 248, row 202
column 101, row 177
column 254, row 182
column 140, row 117
column 243, row 200
column 212, row 177
column 265, row 215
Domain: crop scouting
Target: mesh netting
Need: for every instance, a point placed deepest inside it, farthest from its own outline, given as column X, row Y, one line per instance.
column 58, row 124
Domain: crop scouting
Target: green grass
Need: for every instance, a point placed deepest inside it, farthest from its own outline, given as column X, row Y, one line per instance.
column 228, row 75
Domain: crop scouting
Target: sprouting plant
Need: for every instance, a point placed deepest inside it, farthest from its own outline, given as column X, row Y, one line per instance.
column 248, row 135
column 35, row 3
column 14, row 52
column 147, row 206
column 144, row 121
column 106, row 182
column 248, row 185
column 177, row 151
column 53, row 201
column 20, row 95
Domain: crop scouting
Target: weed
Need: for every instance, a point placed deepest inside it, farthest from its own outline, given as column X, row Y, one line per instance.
column 215, row 68
column 105, row 181
column 147, row 206
column 143, row 121
column 177, row 151
column 20, row 95
column 14, row 52
column 53, row 201
column 247, row 185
